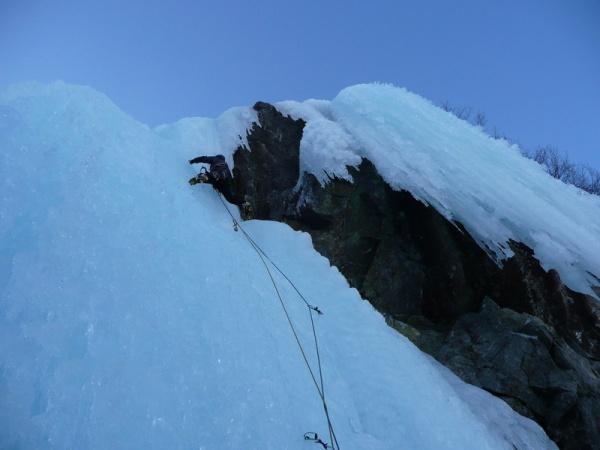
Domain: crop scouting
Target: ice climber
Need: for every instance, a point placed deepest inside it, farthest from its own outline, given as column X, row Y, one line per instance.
column 218, row 175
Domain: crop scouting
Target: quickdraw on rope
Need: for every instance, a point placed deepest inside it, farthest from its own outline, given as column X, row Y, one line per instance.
column 319, row 385
column 316, row 308
column 312, row 436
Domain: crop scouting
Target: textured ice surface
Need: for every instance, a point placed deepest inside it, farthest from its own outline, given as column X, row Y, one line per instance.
column 132, row 316
column 326, row 147
column 204, row 136
column 484, row 183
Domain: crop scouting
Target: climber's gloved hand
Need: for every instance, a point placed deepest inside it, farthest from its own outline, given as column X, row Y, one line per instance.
column 191, row 161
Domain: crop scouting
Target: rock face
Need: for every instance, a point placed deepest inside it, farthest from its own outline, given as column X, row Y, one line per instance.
column 401, row 255
column 525, row 287
column 430, row 278
column 524, row 361
column 267, row 175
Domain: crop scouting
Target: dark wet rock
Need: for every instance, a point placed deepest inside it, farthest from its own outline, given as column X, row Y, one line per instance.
column 523, row 360
column 427, row 274
column 267, row 172
column 426, row 335
column 402, row 255
column 526, row 287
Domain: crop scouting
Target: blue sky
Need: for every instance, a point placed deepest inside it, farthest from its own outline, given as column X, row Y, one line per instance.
column 533, row 66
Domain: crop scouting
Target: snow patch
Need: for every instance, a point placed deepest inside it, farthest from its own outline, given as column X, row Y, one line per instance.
column 326, row 149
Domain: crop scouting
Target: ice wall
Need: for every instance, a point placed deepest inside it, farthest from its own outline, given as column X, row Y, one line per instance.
column 133, row 316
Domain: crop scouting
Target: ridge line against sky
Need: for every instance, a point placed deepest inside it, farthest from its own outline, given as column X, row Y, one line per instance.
column 531, row 66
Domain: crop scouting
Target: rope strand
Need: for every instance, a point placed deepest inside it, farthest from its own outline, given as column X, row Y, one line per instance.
column 263, row 257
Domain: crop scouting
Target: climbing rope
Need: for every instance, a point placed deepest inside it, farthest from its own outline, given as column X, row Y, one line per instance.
column 319, row 385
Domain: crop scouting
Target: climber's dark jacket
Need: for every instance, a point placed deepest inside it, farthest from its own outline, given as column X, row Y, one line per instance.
column 219, row 170
column 219, row 175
